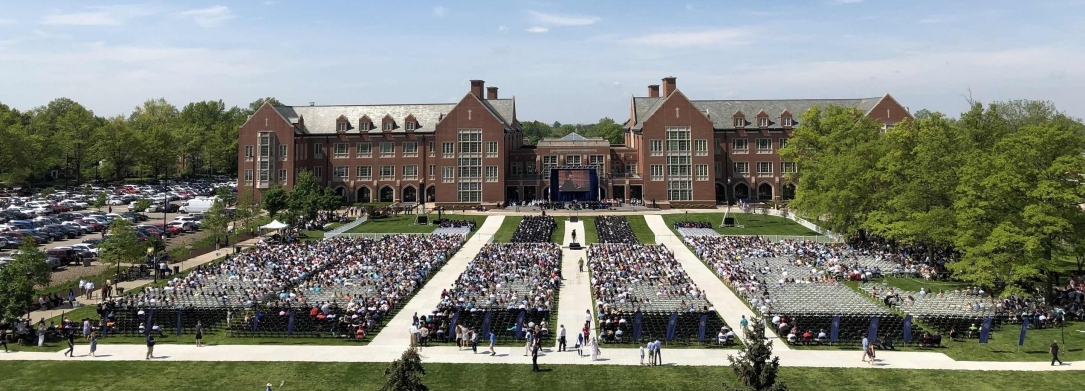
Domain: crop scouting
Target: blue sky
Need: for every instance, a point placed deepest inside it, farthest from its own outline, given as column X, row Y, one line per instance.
column 572, row 61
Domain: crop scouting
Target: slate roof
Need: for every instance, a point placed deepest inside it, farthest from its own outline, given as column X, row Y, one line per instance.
column 322, row 119
column 573, row 137
column 721, row 112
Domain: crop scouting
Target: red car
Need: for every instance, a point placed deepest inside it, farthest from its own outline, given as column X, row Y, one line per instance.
column 98, row 227
column 174, row 231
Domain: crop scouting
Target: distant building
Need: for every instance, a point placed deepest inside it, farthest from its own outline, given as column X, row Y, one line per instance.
column 677, row 151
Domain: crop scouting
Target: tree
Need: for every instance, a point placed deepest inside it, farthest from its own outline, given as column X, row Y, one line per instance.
column 247, row 206
column 117, row 145
column 609, row 130
column 405, row 374
column 755, row 367
column 534, row 131
column 17, row 280
column 256, row 104
column 329, row 200
column 274, row 199
column 122, row 245
column 305, row 197
column 100, row 200
column 141, row 205
column 215, row 219
column 153, row 123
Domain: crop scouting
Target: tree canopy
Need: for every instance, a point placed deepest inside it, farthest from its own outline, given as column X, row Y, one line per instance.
column 17, row 280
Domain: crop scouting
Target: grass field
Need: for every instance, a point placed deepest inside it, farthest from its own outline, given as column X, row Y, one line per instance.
column 409, row 224
column 179, row 376
column 508, row 227
column 636, row 223
column 752, row 224
column 591, row 234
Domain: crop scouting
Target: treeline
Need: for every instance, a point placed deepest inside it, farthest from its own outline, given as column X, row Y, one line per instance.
column 1000, row 186
column 606, row 128
column 64, row 138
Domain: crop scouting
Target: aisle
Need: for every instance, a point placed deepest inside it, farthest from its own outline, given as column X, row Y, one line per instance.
column 729, row 306
column 395, row 332
column 575, row 289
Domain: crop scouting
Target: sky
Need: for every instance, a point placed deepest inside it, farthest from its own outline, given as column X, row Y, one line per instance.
column 567, row 61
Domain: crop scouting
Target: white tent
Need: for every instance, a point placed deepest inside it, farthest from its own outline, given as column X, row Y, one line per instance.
column 275, row 224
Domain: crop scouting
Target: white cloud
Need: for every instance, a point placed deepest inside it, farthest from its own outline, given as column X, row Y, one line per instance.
column 6, row 22
column 692, row 38
column 537, row 30
column 210, row 16
column 440, row 11
column 502, row 29
column 689, row 7
column 562, row 20
column 113, row 15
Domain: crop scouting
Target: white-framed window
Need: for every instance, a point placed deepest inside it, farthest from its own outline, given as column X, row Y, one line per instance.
column 679, row 166
column 410, row 172
column 740, row 145
column 631, row 169
column 529, row 168
column 432, row 152
column 341, row 172
column 700, row 147
column 783, row 143
column 470, row 168
column 763, row 122
column 248, row 176
column 701, row 171
column 764, row 168
column 741, row 168
column 388, row 149
column 364, row 172
column 549, row 162
column 470, row 192
column 678, row 140
column 787, row 167
column 491, row 173
column 340, row 150
column 365, row 125
column 409, row 125
column 470, row 142
column 432, row 172
column 248, row 153
column 282, row 176
column 264, row 174
column 318, row 151
column 717, row 145
column 364, row 149
column 388, row 125
column 786, row 120
column 410, row 149
column 655, row 147
column 764, row 145
column 679, row 190
column 597, row 162
column 740, row 122
column 491, row 149
column 657, row 172
column 282, row 151
column 387, row 172
column 342, row 127
column 318, row 172
column 448, row 173
column 719, row 170
column 572, row 160
column 516, row 168
column 448, row 149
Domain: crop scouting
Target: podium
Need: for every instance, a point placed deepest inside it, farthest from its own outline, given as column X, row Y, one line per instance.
column 575, row 246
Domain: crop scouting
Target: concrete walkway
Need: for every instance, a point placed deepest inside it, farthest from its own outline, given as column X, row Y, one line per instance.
column 729, row 306
column 575, row 289
column 396, row 333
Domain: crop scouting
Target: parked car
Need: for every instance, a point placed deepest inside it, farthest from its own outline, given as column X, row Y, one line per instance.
column 66, row 255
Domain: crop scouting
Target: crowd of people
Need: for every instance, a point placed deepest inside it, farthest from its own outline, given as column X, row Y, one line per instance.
column 692, row 224
column 614, row 229
column 507, row 276
column 448, row 223
column 626, row 277
column 534, row 229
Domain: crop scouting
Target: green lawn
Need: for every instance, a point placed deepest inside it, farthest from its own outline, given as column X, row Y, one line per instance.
column 178, row 376
column 636, row 223
column 409, row 223
column 591, row 234
column 752, row 224
column 508, row 227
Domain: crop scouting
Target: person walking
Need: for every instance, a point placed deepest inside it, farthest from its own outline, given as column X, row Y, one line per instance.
column 93, row 343
column 41, row 334
column 150, row 346
column 580, row 344
column 574, row 236
column 659, row 352
column 561, row 339
column 866, row 348
column 71, row 345
column 587, row 318
column 581, row 263
column 199, row 334
column 474, row 341
column 86, row 329
column 595, row 352
column 527, row 345
column 493, row 341
column 871, row 353
column 642, row 354
column 743, row 322
column 535, row 358
column 1055, row 353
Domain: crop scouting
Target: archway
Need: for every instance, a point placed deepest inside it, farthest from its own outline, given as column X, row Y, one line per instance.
column 602, row 193
column 788, row 191
column 764, row 192
column 387, row 194
column 341, row 192
column 742, row 191
column 529, row 193
column 431, row 194
column 364, row 195
column 721, row 194
column 512, row 193
column 410, row 194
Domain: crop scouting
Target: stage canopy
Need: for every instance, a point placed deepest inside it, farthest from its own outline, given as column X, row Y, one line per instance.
column 275, row 224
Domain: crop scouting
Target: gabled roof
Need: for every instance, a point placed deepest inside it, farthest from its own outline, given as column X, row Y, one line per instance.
column 504, row 109
column 573, row 137
column 322, row 119
column 721, row 111
column 644, row 107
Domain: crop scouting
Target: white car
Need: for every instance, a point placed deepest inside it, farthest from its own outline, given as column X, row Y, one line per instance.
column 116, row 201
column 86, row 247
column 86, row 229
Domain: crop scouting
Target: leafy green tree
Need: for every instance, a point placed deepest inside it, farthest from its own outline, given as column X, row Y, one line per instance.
column 215, row 219
column 329, row 200
column 609, row 130
column 274, row 200
column 122, row 245
column 227, row 195
column 100, row 200
column 141, row 205
column 535, row 131
column 405, row 374
column 153, row 123
column 117, row 145
column 255, row 105
column 247, row 206
column 18, row 278
column 754, row 366
column 305, row 197
column 46, row 192
column 22, row 150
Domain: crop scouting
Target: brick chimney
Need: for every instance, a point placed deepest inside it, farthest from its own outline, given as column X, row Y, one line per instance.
column 477, row 86
column 669, row 86
column 653, row 91
column 491, row 93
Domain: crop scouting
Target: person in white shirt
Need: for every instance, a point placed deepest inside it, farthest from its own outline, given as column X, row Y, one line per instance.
column 561, row 339
column 414, row 335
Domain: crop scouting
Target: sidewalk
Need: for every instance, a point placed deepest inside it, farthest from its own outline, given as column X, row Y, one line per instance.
column 575, row 294
column 729, row 306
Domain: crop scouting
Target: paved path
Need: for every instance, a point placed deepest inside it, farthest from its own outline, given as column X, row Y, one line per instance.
column 395, row 333
column 729, row 306
column 575, row 295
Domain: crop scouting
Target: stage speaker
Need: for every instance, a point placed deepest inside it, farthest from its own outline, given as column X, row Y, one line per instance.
column 423, row 220
column 574, row 246
column 574, row 219
column 729, row 222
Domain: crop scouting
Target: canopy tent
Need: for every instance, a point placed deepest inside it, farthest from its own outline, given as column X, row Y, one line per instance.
column 274, row 224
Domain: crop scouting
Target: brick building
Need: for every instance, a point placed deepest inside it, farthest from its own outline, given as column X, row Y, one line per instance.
column 677, row 151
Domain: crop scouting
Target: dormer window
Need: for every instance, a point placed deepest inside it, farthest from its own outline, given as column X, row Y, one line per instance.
column 786, row 120
column 388, row 125
column 365, row 126
column 342, row 127
column 410, row 125
column 763, row 122
column 740, row 122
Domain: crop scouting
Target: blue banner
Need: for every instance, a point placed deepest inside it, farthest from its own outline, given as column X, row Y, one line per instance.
column 1024, row 330
column 255, row 321
column 148, row 327
column 290, row 324
column 486, row 324
column 520, row 324
column 908, row 329
column 985, row 331
column 834, row 330
column 637, row 318
column 179, row 321
column 672, row 326
column 452, row 325
column 872, row 332
column 701, row 328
